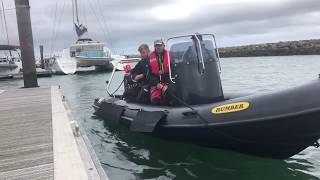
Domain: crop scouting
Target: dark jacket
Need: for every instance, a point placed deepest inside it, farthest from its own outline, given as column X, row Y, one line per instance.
column 137, row 91
column 142, row 67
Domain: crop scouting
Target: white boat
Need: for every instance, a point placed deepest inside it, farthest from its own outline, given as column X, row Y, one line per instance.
column 65, row 64
column 85, row 51
column 90, row 53
column 119, row 62
column 80, row 57
column 10, row 61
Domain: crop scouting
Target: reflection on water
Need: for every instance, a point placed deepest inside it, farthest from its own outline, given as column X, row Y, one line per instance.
column 127, row 155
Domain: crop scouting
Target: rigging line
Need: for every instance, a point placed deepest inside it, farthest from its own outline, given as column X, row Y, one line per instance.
column 5, row 23
column 8, row 9
column 105, row 23
column 73, row 14
column 2, row 26
column 94, row 13
column 54, row 27
column 76, row 8
column 57, row 26
column 59, row 21
column 85, row 15
column 101, row 25
column 82, row 15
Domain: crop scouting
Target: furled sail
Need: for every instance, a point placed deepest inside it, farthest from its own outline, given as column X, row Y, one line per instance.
column 80, row 29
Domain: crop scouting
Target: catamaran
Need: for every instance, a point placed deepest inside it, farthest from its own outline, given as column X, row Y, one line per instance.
column 10, row 61
column 85, row 52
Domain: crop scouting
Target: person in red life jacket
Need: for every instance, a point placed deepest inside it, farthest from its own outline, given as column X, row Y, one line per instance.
column 159, row 79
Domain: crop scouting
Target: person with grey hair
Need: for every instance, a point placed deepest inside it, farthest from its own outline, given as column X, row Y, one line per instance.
column 159, row 63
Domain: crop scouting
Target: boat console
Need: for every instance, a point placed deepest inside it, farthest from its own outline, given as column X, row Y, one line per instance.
column 195, row 68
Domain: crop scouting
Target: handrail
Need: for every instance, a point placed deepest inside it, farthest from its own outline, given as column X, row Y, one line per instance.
column 114, row 70
column 201, row 56
column 111, row 78
column 170, row 73
column 217, row 52
column 169, row 59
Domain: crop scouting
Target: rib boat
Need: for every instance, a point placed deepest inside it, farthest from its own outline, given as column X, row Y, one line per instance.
column 276, row 124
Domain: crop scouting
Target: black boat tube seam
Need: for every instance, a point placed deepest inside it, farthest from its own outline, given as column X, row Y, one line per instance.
column 235, row 122
column 246, row 121
column 239, row 139
column 252, row 120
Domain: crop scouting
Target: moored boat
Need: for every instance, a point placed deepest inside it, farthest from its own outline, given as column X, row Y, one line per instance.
column 64, row 64
column 120, row 62
column 10, row 62
column 85, row 52
column 90, row 53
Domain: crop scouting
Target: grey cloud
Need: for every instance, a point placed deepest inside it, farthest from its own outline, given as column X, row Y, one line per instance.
column 258, row 11
column 123, row 24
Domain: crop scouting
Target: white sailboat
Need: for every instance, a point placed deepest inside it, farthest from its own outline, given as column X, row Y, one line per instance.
column 84, row 53
column 10, row 59
column 90, row 53
column 119, row 62
column 87, row 52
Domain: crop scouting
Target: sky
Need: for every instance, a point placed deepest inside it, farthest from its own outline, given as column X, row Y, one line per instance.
column 124, row 24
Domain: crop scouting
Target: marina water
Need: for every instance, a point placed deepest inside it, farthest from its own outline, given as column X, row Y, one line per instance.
column 127, row 155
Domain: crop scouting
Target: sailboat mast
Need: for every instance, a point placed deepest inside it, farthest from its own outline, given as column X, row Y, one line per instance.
column 5, row 22
column 76, row 8
column 5, row 25
column 79, row 28
column 73, row 11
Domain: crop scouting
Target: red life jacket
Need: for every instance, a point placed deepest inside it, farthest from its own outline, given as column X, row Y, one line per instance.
column 155, row 69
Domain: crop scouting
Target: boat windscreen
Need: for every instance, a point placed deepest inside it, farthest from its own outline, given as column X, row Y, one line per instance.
column 194, row 58
column 188, row 52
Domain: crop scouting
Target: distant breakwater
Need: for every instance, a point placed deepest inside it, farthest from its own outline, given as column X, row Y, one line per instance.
column 286, row 48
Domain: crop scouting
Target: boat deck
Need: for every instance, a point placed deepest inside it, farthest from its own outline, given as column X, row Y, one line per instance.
column 39, row 138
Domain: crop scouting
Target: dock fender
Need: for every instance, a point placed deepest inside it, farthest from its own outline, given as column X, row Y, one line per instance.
column 146, row 121
column 111, row 111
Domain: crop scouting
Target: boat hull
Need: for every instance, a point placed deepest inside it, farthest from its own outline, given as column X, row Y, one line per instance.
column 7, row 69
column 277, row 125
column 85, row 61
column 65, row 65
column 278, row 138
column 119, row 64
